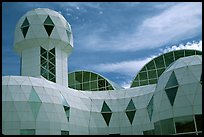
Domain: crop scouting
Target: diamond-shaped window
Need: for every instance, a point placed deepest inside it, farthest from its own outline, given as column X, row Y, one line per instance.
column 48, row 25
column 150, row 108
column 106, row 113
column 130, row 111
column 24, row 27
column 171, row 88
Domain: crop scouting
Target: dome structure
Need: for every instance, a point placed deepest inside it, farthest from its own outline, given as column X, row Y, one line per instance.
column 45, row 27
column 178, row 97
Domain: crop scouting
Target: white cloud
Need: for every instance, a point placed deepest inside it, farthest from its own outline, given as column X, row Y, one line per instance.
column 178, row 22
column 189, row 45
column 131, row 67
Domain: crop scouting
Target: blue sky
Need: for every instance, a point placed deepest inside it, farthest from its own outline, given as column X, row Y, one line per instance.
column 115, row 39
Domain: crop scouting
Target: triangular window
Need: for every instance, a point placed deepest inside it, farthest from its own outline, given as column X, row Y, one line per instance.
column 150, row 108
column 130, row 111
column 49, row 25
column 24, row 27
column 106, row 113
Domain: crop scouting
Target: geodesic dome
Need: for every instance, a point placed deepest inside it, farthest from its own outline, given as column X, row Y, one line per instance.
column 45, row 27
column 178, row 97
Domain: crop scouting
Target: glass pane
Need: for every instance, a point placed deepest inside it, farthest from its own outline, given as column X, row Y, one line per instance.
column 101, row 83
column 157, row 128
column 93, row 85
column 148, row 132
column 130, row 106
column 78, row 76
column 179, row 54
column 51, row 66
column 152, row 74
column 172, row 82
column 171, row 93
column 50, row 55
column 93, row 76
column 143, row 69
column 43, row 61
column 159, row 72
column 167, row 126
column 135, row 84
column 198, row 119
column 86, row 86
column 48, row 21
column 107, row 117
column 71, row 78
column 143, row 75
column 64, row 132
column 184, row 124
column 48, row 29
column 105, row 108
column 151, row 65
column 169, row 58
column 110, row 88
column 24, row 31
column 27, row 131
column 152, row 81
column 86, row 76
column 130, row 115
column 189, row 52
column 159, row 62
column 25, row 23
column 44, row 72
column 52, row 71
column 143, row 82
column 53, row 51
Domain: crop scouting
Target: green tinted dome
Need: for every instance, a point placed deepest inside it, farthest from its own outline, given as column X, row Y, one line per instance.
column 42, row 26
column 151, row 72
column 90, row 81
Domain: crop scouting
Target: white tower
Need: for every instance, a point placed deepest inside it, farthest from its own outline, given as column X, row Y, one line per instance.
column 44, row 40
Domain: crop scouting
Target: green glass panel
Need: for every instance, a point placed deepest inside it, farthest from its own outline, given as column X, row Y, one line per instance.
column 71, row 78
column 78, row 76
column 44, row 72
column 42, row 51
column 130, row 115
column 86, row 86
column 198, row 53
column 48, row 29
column 169, row 58
column 93, row 85
column 135, row 84
column 159, row 62
column 159, row 72
column 198, row 119
column 143, row 75
column 178, row 54
column 167, row 126
column 110, row 88
column 50, row 55
column 184, row 124
column 86, row 76
column 172, row 81
column 64, row 132
column 107, row 117
column 130, row 106
column 78, row 86
column 52, row 51
column 105, row 108
column 34, row 97
column 43, row 61
column 48, row 21
column 148, row 132
column 52, row 71
column 171, row 93
column 25, row 23
column 152, row 81
column 102, row 88
column 143, row 69
column 51, row 66
column 150, row 65
column 157, row 128
column 27, row 131
column 152, row 74
column 24, row 31
column 145, row 82
column 93, row 76
column 35, row 107
column 150, row 108
column 189, row 52
column 101, row 83
column 53, row 79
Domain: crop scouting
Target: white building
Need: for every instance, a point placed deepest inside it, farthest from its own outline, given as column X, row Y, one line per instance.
column 165, row 96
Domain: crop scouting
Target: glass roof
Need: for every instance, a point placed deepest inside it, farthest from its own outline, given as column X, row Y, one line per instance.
column 90, row 81
column 150, row 73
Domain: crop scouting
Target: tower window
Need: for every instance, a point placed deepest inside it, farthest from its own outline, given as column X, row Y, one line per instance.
column 47, row 61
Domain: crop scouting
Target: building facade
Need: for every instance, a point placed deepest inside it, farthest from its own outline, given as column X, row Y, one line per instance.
column 165, row 97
